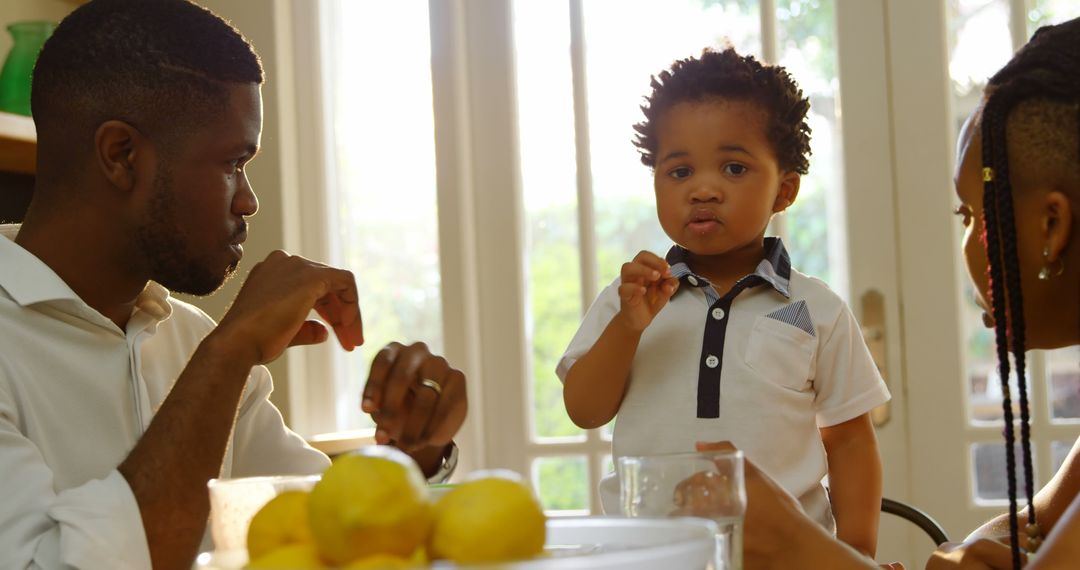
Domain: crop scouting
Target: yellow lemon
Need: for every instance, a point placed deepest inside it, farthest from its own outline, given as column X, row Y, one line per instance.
column 374, row 501
column 283, row 520
column 493, row 518
column 289, row 557
column 382, row 562
column 385, row 561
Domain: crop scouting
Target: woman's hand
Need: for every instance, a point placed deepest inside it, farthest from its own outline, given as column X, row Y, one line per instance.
column 772, row 514
column 778, row 534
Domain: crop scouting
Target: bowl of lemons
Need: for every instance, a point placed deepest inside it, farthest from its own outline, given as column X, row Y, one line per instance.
column 373, row 510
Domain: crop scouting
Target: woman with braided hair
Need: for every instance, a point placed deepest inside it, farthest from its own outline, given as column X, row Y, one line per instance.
column 1018, row 184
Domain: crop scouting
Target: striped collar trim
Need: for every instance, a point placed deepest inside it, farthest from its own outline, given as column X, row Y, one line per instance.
column 774, row 269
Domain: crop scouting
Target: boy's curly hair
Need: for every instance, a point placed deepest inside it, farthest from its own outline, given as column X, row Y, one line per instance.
column 728, row 75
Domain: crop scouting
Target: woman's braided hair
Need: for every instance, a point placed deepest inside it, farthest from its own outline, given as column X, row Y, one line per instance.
column 1045, row 72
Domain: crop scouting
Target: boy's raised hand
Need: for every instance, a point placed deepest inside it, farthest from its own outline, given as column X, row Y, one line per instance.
column 646, row 286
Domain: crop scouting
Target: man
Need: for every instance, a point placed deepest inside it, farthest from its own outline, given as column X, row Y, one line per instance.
column 117, row 402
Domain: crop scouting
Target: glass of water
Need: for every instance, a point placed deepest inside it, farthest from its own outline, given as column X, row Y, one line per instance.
column 706, row 484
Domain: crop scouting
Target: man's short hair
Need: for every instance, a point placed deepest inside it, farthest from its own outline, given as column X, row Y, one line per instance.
column 162, row 66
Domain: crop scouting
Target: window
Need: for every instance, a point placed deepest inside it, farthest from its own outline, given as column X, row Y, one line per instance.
column 381, row 190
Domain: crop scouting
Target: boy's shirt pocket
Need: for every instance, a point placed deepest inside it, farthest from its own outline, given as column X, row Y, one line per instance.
column 781, row 347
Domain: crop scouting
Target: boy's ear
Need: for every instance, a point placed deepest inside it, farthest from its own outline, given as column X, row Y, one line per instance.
column 789, row 190
column 117, row 147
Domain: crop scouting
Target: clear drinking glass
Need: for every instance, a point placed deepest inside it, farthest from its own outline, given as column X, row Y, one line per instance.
column 707, row 485
column 233, row 503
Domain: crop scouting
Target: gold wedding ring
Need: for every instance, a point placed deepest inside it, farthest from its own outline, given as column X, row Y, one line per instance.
column 433, row 385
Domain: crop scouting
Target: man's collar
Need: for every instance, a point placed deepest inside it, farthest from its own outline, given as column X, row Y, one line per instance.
column 775, row 268
column 29, row 281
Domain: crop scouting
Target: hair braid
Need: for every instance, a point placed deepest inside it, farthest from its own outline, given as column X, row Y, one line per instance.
column 1045, row 68
column 1007, row 227
column 992, row 121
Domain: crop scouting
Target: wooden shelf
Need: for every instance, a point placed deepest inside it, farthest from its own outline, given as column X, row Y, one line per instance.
column 18, row 143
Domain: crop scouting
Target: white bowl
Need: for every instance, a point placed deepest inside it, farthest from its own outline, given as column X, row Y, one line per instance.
column 586, row 543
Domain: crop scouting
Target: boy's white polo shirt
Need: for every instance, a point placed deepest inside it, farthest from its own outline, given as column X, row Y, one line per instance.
column 765, row 366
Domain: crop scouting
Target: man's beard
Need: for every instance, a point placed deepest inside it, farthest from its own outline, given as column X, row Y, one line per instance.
column 165, row 249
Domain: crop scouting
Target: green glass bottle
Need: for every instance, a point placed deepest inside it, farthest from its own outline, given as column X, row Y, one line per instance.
column 28, row 38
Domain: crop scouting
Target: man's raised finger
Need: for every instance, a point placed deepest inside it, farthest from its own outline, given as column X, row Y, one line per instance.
column 340, row 307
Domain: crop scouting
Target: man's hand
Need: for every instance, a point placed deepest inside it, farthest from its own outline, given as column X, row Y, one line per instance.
column 645, row 287
column 417, row 400
column 270, row 311
column 981, row 554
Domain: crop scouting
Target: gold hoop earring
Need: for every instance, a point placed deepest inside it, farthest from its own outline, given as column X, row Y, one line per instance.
column 1048, row 271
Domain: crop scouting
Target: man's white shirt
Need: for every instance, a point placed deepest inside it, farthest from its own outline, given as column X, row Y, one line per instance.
column 77, row 393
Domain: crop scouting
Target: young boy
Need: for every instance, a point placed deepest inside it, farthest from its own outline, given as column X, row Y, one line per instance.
column 722, row 339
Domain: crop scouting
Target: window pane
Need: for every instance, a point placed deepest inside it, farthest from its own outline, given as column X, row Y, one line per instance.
column 1063, row 373
column 548, row 172
column 628, row 41
column 984, row 378
column 980, row 45
column 1059, row 450
column 1051, row 12
column 807, row 48
column 562, row 483
column 991, row 474
column 384, row 152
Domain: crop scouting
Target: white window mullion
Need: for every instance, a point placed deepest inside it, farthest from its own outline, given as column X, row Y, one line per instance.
column 313, row 370
column 586, row 217
column 1038, row 391
column 497, row 211
column 1018, row 10
column 770, row 54
column 593, row 449
column 924, row 143
column 770, row 46
column 866, row 231
column 458, row 251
